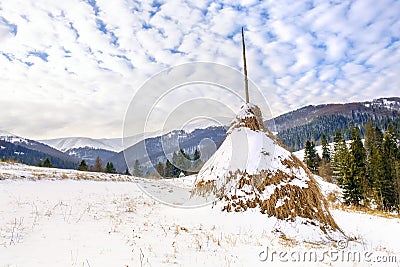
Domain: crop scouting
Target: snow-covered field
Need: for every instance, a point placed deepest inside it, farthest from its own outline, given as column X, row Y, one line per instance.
column 66, row 218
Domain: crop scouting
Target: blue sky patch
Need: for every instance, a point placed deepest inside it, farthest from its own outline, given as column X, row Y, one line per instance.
column 13, row 28
column 93, row 4
column 42, row 55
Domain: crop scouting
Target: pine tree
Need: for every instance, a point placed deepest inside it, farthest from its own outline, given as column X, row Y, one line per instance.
column 137, row 169
column 354, row 179
column 339, row 158
column 196, row 154
column 375, row 173
column 196, row 163
column 373, row 151
column 389, row 180
column 326, row 153
column 175, row 165
column 168, row 169
column 83, row 166
column 311, row 157
column 160, row 169
column 98, row 165
column 110, row 168
column 47, row 163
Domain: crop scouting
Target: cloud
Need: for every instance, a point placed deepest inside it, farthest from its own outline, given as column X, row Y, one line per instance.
column 71, row 67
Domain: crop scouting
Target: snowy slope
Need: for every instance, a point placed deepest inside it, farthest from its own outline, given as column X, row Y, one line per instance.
column 64, row 144
column 12, row 138
column 69, row 222
column 300, row 153
column 111, row 144
column 265, row 154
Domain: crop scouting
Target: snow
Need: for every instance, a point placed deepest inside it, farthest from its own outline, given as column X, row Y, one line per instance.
column 5, row 133
column 383, row 103
column 253, row 152
column 11, row 138
column 64, row 144
column 245, row 111
column 281, row 201
column 300, row 153
column 59, row 221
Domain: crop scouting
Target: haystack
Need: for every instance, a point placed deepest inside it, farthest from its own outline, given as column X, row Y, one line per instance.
column 252, row 170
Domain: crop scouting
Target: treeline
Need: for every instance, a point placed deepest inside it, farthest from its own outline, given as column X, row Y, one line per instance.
column 99, row 167
column 368, row 173
column 13, row 152
column 295, row 138
column 181, row 163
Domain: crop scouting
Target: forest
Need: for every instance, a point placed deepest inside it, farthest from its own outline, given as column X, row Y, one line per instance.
column 368, row 171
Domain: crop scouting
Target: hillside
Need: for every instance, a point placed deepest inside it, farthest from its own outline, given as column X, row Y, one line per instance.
column 32, row 152
column 310, row 122
column 293, row 129
column 152, row 150
column 69, row 219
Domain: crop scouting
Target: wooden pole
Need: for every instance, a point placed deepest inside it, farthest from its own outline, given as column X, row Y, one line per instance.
column 246, row 81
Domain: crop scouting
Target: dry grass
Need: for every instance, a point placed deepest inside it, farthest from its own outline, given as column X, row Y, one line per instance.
column 255, row 122
column 369, row 211
column 11, row 161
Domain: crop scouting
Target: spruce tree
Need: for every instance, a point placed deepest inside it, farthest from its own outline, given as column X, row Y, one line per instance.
column 354, row 179
column 311, row 157
column 83, row 166
column 374, row 171
column 196, row 163
column 47, row 163
column 389, row 180
column 339, row 158
column 110, row 168
column 196, row 155
column 137, row 169
column 168, row 169
column 326, row 153
column 175, row 165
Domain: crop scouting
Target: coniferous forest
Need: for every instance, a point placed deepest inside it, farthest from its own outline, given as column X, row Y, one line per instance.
column 367, row 171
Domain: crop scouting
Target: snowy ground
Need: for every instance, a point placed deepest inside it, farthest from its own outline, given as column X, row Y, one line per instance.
column 67, row 219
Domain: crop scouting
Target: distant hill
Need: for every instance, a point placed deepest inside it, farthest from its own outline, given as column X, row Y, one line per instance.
column 310, row 122
column 90, row 154
column 293, row 128
column 32, row 152
column 152, row 150
column 68, row 143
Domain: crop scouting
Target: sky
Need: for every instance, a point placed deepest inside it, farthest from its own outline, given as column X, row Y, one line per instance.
column 71, row 68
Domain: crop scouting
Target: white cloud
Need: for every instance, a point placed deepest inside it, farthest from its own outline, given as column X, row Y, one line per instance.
column 70, row 68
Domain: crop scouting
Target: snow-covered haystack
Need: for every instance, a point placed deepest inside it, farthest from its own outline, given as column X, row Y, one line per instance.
column 253, row 170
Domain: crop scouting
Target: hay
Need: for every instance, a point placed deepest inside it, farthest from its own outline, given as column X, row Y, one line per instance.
column 250, row 118
column 271, row 190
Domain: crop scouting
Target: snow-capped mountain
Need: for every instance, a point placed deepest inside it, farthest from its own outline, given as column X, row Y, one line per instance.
column 32, row 152
column 110, row 144
column 152, row 150
column 65, row 144
column 377, row 107
column 12, row 138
